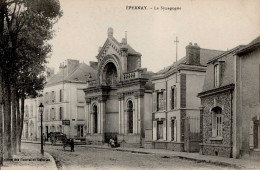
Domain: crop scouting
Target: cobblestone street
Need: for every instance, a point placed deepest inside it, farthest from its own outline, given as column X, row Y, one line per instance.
column 93, row 158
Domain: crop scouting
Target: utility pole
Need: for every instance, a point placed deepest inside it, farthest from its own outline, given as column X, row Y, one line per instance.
column 176, row 41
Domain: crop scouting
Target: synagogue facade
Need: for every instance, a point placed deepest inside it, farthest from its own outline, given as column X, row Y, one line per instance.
column 118, row 101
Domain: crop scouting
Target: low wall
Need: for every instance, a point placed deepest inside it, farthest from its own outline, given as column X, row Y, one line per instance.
column 216, row 150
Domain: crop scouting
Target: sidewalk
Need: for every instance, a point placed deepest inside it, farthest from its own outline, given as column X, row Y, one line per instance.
column 227, row 162
column 30, row 159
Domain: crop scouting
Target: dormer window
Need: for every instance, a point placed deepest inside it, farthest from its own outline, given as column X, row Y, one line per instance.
column 216, row 75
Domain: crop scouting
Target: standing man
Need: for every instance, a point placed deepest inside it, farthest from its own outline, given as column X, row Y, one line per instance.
column 72, row 145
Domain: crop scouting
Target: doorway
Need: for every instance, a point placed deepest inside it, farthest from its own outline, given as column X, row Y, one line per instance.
column 257, row 135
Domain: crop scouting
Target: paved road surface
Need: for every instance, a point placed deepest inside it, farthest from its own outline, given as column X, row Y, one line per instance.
column 93, row 158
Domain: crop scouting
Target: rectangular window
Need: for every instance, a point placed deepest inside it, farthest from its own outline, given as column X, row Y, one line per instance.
column 53, row 97
column 174, row 129
column 52, row 114
column 155, row 102
column 160, row 101
column 46, row 98
column 80, row 131
column 81, row 113
column 61, row 95
column 81, row 96
column 46, row 114
column 219, row 125
column 216, row 75
column 173, row 97
column 159, row 130
column 61, row 116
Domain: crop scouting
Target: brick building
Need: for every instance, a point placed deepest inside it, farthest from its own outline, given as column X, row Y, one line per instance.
column 230, row 97
column 119, row 99
column 175, row 102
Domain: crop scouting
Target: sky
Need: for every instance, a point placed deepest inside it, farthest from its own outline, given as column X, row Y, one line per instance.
column 218, row 25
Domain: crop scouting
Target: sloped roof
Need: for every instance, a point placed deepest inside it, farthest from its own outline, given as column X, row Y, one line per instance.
column 208, row 54
column 205, row 56
column 131, row 51
column 79, row 74
column 250, row 46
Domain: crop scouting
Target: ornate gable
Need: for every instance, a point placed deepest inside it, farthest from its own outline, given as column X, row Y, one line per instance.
column 109, row 48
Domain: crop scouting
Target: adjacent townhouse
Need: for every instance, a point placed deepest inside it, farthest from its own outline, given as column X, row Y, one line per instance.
column 231, row 103
column 64, row 103
column 176, row 107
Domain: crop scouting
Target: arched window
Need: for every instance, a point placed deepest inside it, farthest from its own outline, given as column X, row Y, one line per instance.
column 95, row 119
column 130, row 116
column 110, row 74
column 217, row 121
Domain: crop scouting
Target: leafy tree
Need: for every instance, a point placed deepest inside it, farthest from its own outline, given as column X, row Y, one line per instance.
column 26, row 26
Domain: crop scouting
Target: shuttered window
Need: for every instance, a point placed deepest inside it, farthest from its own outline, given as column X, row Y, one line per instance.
column 52, row 114
column 216, row 75
column 53, row 97
column 154, row 130
column 61, row 114
column 80, row 96
column 154, row 102
column 81, row 113
column 174, row 129
column 160, row 101
column 61, row 94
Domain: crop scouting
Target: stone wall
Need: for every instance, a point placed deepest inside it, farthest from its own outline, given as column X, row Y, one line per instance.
column 217, row 146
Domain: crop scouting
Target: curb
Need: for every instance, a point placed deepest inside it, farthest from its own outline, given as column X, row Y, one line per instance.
column 54, row 167
column 171, row 155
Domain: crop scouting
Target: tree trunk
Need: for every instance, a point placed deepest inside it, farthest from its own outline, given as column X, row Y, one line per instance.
column 1, row 90
column 7, row 121
column 14, row 130
column 22, row 117
column 18, row 122
column 1, row 120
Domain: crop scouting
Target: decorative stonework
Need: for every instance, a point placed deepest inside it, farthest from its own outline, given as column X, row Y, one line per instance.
column 139, row 94
column 88, row 100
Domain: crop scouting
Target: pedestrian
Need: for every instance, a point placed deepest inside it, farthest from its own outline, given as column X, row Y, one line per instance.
column 72, row 145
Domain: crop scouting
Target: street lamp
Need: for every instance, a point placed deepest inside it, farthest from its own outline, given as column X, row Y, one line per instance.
column 41, row 107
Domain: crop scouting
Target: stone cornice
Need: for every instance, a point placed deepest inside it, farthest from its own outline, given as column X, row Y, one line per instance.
column 216, row 90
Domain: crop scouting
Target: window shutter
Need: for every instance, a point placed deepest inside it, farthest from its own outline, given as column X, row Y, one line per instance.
column 175, row 97
column 164, row 100
column 175, row 130
column 251, row 135
column 214, row 122
column 154, row 130
column 164, row 130
column 154, row 102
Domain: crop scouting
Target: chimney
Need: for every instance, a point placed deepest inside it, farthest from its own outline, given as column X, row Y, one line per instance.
column 110, row 32
column 123, row 42
column 93, row 64
column 193, row 54
column 70, row 66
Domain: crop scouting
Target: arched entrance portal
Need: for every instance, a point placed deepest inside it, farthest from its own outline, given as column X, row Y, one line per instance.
column 110, row 74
